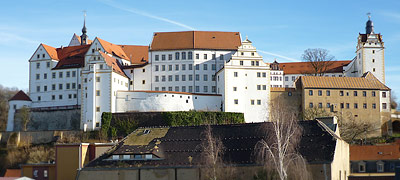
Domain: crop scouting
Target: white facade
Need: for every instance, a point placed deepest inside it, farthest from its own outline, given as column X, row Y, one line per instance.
column 244, row 83
column 289, row 79
column 145, row 101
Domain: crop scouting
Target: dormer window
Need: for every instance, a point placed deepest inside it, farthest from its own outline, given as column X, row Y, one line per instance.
column 380, row 166
column 361, row 167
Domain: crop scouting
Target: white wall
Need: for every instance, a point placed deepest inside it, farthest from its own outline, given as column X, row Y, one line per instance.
column 166, row 101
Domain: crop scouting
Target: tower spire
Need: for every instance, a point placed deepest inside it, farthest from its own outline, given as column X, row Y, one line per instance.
column 369, row 29
column 84, row 37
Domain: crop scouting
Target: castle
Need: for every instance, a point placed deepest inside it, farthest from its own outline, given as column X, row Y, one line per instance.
column 178, row 71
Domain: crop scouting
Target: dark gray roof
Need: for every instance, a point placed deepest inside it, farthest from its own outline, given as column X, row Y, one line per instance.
column 317, row 145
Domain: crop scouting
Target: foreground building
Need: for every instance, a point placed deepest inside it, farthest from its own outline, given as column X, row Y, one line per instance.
column 177, row 153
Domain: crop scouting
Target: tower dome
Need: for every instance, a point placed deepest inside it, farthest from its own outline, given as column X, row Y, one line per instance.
column 369, row 28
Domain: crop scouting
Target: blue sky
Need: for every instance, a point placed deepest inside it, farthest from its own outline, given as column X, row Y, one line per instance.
column 283, row 28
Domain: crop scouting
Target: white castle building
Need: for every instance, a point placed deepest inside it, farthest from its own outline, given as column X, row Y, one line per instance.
column 179, row 71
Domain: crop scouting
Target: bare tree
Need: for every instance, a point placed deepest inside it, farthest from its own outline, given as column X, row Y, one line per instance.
column 212, row 151
column 320, row 60
column 278, row 150
column 5, row 95
column 352, row 130
column 312, row 113
column 393, row 100
column 24, row 114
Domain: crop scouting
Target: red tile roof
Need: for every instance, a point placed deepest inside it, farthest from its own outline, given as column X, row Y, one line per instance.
column 113, row 63
column 13, row 173
column 368, row 81
column 195, row 40
column 375, row 152
column 52, row 51
column 306, row 67
column 136, row 54
column 20, row 96
column 113, row 49
column 71, row 56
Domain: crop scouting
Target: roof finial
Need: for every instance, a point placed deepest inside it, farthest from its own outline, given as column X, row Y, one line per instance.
column 84, row 36
column 247, row 38
column 370, row 25
column 369, row 15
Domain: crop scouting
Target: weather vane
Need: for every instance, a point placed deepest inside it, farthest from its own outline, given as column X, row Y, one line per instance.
column 369, row 15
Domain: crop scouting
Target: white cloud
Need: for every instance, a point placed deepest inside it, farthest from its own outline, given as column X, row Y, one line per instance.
column 142, row 13
column 280, row 56
column 6, row 38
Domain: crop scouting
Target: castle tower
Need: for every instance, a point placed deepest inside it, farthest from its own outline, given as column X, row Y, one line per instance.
column 84, row 37
column 370, row 53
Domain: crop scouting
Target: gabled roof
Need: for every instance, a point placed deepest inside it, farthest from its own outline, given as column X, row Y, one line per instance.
column 375, row 152
column 52, row 51
column 20, row 96
column 306, row 67
column 113, row 49
column 113, row 63
column 174, row 145
column 369, row 81
column 136, row 54
column 71, row 56
column 195, row 40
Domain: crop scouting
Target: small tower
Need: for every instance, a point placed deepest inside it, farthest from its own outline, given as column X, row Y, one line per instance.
column 370, row 53
column 84, row 37
column 18, row 101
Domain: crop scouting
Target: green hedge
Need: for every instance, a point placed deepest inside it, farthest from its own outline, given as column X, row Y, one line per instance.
column 113, row 126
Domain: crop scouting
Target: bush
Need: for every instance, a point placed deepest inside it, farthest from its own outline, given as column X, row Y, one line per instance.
column 189, row 118
column 105, row 123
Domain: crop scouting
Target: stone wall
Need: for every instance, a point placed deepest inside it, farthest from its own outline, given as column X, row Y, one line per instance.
column 68, row 119
column 33, row 137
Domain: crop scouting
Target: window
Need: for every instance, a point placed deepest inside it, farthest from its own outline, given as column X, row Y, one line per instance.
column 384, row 106
column 176, row 77
column 183, row 55
column 205, row 56
column 258, row 101
column 97, row 92
column 68, row 86
column 60, row 74
column 373, row 106
column 163, row 68
column 37, row 65
column 213, row 89
column 365, row 105
column 45, row 76
column 234, row 88
column 197, row 67
column 205, row 67
column 252, row 102
column 37, row 76
column 235, row 74
column 355, row 106
column 170, row 88
column 205, row 77
column 373, row 94
column 190, row 88
column 319, row 105
column 177, row 88
column 384, row 94
column 48, row 64
column 157, row 79
column 319, row 92
column 213, row 67
column 258, row 74
column 361, row 166
column 190, row 55
column 364, row 93
column 163, row 78
column 264, row 87
column 341, row 105
column 68, row 74
column 286, row 78
column 355, row 93
column 197, row 56
column 348, row 105
column 258, row 87
column 212, row 77
column 157, row 68
column 53, row 97
column 73, row 73
column 163, row 57
column 60, row 96
column 190, row 66
column 293, row 78
column 169, row 56
column 373, row 51
column 60, row 86
column 328, row 105
column 97, row 79
column 53, row 87
column 143, row 81
column 221, row 57
column 252, row 63
column 183, row 77
column 53, row 75
column 45, row 88
column 373, row 60
column 176, row 67
column 169, row 77
column 379, row 166
column 328, row 93
column 236, row 101
column 190, row 77
column 197, row 77
column 265, row 75
column 156, row 88
column 183, row 67
column 310, row 105
column 241, row 63
column 257, row 63
column 205, row 89
column 197, row 89
column 341, row 93
column 310, row 92
column 183, row 89
column 177, row 56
